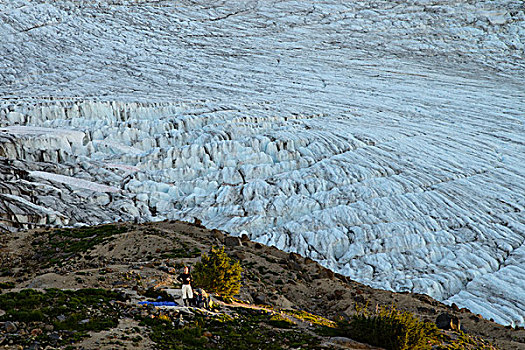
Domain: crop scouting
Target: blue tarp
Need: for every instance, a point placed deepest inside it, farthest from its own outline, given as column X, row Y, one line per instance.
column 159, row 303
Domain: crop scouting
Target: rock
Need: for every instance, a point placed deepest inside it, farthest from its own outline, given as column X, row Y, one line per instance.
column 61, row 318
column 36, row 332
column 326, row 273
column 258, row 245
column 2, row 312
column 10, row 327
column 309, row 261
column 217, row 234
column 55, row 336
column 260, row 299
column 197, row 222
column 343, row 343
column 207, row 334
column 426, row 310
column 454, row 307
column 359, row 299
column 338, row 294
column 292, row 265
column 295, row 257
column 34, row 346
column 281, row 302
column 231, row 241
column 49, row 327
column 245, row 238
column 239, row 255
column 447, row 321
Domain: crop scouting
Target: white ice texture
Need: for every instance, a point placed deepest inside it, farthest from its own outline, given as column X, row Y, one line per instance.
column 384, row 139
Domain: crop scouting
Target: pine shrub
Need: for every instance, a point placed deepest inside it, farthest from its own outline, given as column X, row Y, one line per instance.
column 217, row 273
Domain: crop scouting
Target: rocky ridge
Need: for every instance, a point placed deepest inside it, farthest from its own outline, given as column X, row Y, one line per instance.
column 136, row 259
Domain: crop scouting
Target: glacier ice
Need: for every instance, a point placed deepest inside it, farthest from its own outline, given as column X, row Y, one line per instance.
column 383, row 139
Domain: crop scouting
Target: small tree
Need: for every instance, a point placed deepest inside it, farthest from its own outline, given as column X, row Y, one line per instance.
column 217, row 274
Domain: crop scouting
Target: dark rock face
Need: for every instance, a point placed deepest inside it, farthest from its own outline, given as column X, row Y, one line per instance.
column 260, row 299
column 447, row 321
column 231, row 241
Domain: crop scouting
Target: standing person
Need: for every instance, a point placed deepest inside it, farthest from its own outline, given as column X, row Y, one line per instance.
column 185, row 279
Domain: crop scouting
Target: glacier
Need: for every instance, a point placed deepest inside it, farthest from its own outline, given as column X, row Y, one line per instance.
column 384, row 139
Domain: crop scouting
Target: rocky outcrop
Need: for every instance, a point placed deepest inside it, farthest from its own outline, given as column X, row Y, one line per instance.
column 447, row 321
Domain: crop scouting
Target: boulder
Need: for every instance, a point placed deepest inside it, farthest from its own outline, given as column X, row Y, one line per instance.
column 231, row 241
column 295, row 257
column 447, row 321
column 260, row 299
column 10, row 327
column 36, row 332
column 281, row 302
column 217, row 234
column 55, row 336
column 239, row 255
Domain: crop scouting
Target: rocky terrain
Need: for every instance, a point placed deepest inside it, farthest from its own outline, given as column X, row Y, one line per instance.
column 382, row 139
column 127, row 262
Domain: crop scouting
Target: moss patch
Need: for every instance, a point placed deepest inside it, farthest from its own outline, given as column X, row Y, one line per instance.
column 246, row 329
column 57, row 246
column 311, row 318
column 71, row 313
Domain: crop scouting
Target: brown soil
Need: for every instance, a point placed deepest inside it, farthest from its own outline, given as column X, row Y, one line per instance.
column 140, row 258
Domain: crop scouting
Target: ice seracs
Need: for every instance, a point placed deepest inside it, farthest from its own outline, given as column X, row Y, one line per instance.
column 383, row 139
column 425, row 207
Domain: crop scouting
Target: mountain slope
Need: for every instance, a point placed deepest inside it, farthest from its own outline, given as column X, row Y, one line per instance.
column 132, row 259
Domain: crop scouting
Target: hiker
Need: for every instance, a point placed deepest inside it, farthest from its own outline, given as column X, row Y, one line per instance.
column 202, row 299
column 185, row 279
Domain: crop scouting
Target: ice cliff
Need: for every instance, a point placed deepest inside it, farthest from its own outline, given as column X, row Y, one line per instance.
column 383, row 139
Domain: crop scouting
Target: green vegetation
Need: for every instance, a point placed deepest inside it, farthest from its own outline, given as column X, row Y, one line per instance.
column 401, row 330
column 279, row 321
column 57, row 246
column 181, row 253
column 393, row 329
column 71, row 313
column 465, row 341
column 311, row 318
column 248, row 329
column 7, row 285
column 216, row 273
column 166, row 336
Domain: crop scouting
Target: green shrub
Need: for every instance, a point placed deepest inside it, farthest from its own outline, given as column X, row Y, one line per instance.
column 57, row 246
column 392, row 329
column 71, row 312
column 217, row 273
